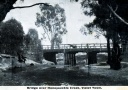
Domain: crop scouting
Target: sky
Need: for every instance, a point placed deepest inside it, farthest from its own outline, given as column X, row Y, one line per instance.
column 75, row 19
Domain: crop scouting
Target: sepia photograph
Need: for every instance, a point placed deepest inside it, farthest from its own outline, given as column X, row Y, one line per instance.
column 63, row 43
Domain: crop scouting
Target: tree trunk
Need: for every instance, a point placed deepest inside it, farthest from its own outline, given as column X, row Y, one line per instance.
column 108, row 50
column 52, row 44
column 124, row 44
column 116, row 53
column 5, row 7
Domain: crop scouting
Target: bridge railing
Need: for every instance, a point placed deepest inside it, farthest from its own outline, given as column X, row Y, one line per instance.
column 78, row 46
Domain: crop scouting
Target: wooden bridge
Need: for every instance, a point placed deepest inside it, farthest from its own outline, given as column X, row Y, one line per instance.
column 102, row 47
column 70, row 50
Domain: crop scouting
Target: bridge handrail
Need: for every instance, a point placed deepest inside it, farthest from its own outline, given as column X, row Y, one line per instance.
column 78, row 46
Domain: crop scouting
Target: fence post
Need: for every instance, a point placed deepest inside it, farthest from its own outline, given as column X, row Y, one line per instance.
column 87, row 47
column 100, row 47
column 94, row 46
column 81, row 46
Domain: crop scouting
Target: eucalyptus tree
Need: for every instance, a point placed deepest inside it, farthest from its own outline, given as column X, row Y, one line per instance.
column 53, row 21
column 111, row 18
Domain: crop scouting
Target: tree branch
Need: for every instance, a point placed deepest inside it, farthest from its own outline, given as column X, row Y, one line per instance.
column 120, row 18
column 20, row 7
column 45, row 31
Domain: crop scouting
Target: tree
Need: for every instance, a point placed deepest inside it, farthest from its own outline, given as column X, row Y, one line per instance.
column 11, row 36
column 53, row 21
column 34, row 46
column 109, row 21
column 33, row 34
column 39, row 52
column 27, row 40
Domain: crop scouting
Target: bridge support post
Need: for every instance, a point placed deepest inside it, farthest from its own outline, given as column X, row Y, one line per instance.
column 70, row 59
column 74, row 59
column 92, row 57
column 67, row 57
column 50, row 56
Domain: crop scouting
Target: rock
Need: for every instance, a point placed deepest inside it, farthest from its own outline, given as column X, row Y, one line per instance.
column 46, row 62
column 31, row 64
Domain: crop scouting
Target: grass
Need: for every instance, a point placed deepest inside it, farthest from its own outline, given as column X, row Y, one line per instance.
column 56, row 77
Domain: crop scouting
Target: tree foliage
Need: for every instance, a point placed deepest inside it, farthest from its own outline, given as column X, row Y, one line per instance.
column 53, row 21
column 11, row 36
column 105, row 19
column 33, row 34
